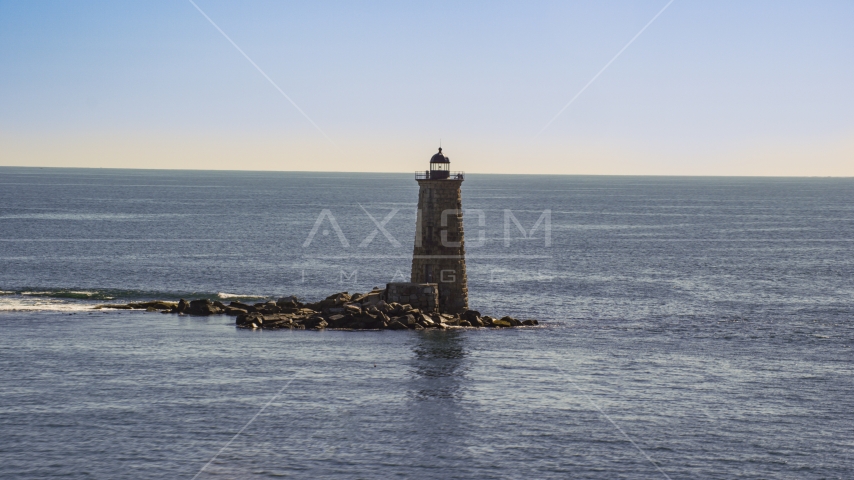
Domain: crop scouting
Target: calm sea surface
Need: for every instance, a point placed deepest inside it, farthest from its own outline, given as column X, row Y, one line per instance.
column 693, row 328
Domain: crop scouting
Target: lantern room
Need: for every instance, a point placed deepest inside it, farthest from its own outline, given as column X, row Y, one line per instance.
column 440, row 166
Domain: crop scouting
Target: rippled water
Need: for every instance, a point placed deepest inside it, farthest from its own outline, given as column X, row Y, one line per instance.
column 707, row 320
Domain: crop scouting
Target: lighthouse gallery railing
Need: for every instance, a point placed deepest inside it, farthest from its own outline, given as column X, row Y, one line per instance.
column 439, row 175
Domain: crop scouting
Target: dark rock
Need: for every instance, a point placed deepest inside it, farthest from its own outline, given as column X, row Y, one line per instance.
column 203, row 307
column 407, row 320
column 396, row 325
column 374, row 323
column 249, row 318
column 353, row 309
column 338, row 321
column 339, row 298
column 278, row 325
column 183, row 306
column 359, row 324
column 155, row 305
column 394, row 309
column 289, row 302
column 313, row 306
column 368, row 311
column 242, row 306
column 335, row 300
column 267, row 308
column 277, row 320
column 316, row 323
column 370, row 299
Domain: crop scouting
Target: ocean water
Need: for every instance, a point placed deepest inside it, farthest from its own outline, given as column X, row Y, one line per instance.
column 692, row 328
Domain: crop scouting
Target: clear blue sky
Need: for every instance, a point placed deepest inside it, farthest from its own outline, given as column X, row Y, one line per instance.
column 723, row 87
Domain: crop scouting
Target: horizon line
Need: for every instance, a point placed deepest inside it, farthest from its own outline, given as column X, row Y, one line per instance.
column 410, row 173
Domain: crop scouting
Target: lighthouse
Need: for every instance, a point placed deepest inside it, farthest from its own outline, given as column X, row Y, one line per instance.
column 439, row 256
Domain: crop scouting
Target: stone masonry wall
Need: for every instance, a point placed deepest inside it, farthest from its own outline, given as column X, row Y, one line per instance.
column 423, row 296
column 439, row 253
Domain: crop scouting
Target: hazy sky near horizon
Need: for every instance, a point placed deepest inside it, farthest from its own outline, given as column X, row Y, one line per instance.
column 710, row 88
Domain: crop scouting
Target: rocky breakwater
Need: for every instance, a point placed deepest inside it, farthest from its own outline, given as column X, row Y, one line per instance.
column 367, row 311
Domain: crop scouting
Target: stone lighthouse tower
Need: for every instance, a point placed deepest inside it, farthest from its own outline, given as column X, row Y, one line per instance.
column 439, row 256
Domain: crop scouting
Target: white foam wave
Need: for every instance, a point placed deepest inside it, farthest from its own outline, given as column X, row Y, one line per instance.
column 233, row 295
column 23, row 304
column 66, row 292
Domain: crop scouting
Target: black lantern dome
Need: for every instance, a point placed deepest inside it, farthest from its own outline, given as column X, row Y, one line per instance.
column 439, row 158
column 440, row 166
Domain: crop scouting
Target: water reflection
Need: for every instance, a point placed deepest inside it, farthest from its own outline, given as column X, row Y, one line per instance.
column 437, row 410
column 438, row 365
